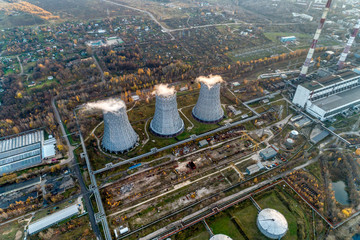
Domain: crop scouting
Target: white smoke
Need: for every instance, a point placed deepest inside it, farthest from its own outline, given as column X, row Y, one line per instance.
column 109, row 105
column 211, row 80
column 164, row 90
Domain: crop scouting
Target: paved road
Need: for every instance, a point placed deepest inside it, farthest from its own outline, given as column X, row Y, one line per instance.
column 75, row 167
column 100, row 69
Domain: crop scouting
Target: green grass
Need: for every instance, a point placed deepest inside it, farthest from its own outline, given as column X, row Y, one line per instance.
column 247, row 216
column 315, row 170
column 8, row 231
column 221, row 223
column 196, row 232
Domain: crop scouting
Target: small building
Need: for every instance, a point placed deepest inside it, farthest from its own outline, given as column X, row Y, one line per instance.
column 135, row 97
column 235, row 84
column 234, row 110
column 53, row 219
column 254, row 168
column 203, row 143
column 288, row 39
column 268, row 153
column 321, row 136
column 296, row 118
column 302, row 122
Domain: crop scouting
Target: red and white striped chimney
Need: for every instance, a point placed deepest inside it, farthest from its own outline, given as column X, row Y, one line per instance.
column 305, row 67
column 344, row 54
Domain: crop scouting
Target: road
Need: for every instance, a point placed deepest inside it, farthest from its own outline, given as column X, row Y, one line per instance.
column 76, row 169
column 100, row 69
column 21, row 66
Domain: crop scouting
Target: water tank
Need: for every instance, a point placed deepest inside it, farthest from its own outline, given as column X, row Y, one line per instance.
column 166, row 121
column 272, row 223
column 294, row 134
column 119, row 136
column 220, row 237
column 289, row 143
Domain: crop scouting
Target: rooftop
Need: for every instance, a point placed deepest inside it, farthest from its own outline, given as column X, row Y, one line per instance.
column 52, row 219
column 329, row 80
column 339, row 100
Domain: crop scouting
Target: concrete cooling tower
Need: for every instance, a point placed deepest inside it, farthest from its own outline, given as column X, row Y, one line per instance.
column 166, row 121
column 208, row 107
column 119, row 136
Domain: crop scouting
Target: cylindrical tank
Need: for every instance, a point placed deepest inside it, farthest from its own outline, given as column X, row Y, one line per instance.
column 166, row 121
column 294, row 134
column 119, row 136
column 208, row 107
column 220, row 237
column 289, row 143
column 272, row 223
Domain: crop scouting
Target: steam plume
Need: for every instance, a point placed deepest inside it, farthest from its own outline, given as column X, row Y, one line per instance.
column 164, row 90
column 109, row 105
column 211, row 80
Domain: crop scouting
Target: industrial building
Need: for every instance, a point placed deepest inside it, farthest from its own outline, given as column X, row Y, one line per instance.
column 53, row 219
column 321, row 136
column 272, row 223
column 208, row 106
column 268, row 153
column 166, row 121
column 119, row 136
column 254, row 168
column 25, row 150
column 288, row 39
column 326, row 97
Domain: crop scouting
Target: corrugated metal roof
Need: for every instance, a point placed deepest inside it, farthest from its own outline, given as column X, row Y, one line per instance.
column 21, row 140
column 53, row 219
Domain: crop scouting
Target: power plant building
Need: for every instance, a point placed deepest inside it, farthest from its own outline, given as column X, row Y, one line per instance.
column 272, row 223
column 208, row 107
column 25, row 150
column 166, row 121
column 119, row 136
column 326, row 97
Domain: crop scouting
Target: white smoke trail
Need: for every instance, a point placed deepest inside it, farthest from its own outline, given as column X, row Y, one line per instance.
column 109, row 105
column 164, row 90
column 211, row 80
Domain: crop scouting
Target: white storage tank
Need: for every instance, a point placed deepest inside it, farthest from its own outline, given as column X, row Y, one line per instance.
column 289, row 143
column 294, row 134
column 272, row 223
column 220, row 237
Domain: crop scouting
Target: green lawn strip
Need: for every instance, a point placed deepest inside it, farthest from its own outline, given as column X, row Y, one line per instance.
column 221, row 224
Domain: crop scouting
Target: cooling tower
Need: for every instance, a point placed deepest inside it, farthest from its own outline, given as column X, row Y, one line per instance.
column 208, row 107
column 166, row 121
column 119, row 136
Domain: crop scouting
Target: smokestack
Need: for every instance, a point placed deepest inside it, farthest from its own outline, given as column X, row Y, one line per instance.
column 305, row 68
column 119, row 136
column 344, row 54
column 166, row 121
column 208, row 107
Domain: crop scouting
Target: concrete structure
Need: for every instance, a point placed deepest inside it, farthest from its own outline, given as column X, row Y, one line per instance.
column 302, row 122
column 208, row 107
column 272, row 223
column 254, row 168
column 52, row 219
column 166, row 121
column 344, row 54
column 326, row 97
column 268, row 153
column 305, row 68
column 119, row 136
column 220, row 237
column 203, row 143
column 24, row 150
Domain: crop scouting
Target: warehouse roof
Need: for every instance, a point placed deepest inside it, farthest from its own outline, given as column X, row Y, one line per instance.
column 52, row 219
column 319, row 137
column 339, row 100
column 7, row 144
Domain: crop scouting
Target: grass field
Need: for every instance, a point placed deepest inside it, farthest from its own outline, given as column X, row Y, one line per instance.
column 221, row 223
column 12, row 231
column 273, row 36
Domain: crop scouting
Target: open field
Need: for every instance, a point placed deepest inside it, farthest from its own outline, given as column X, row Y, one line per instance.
column 12, row 231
